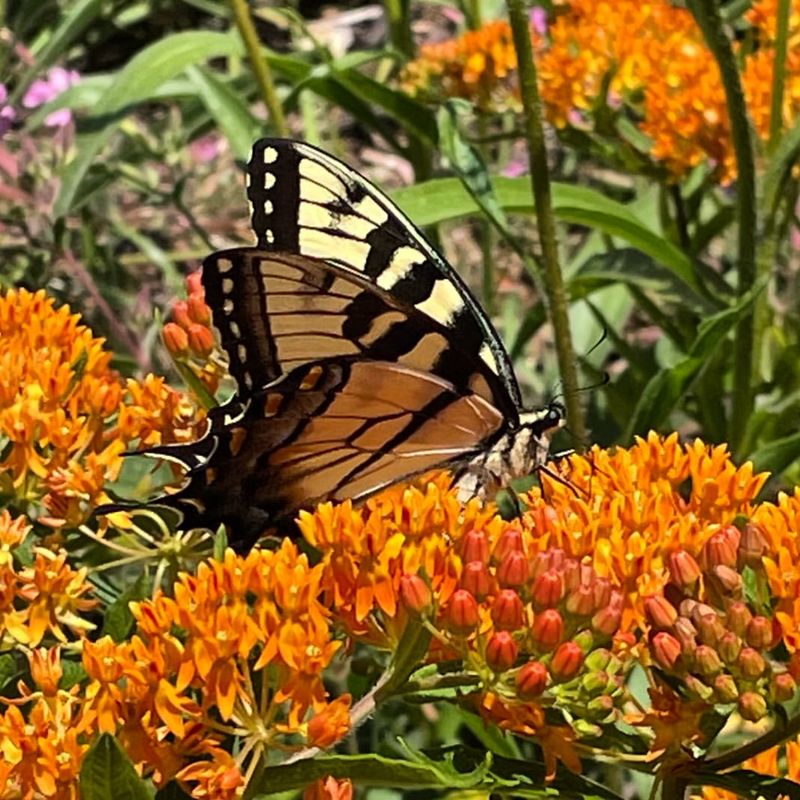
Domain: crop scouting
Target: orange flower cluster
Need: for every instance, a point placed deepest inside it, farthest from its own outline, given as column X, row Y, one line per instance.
column 44, row 598
column 239, row 651
column 480, row 65
column 632, row 554
column 649, row 58
column 65, row 416
column 190, row 338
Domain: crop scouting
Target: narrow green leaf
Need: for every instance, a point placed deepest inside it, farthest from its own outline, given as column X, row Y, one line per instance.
column 147, row 70
column 777, row 455
column 78, row 15
column 746, row 783
column 779, row 168
column 107, row 774
column 118, row 621
column 228, row 109
column 10, row 668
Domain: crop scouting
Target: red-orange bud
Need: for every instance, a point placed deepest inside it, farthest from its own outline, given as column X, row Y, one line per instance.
column 753, row 545
column 602, row 592
column 738, row 617
column 531, row 679
column 727, row 579
column 180, row 314
column 548, row 589
column 607, row 619
column 567, row 661
column 462, row 611
column 475, row 547
column 794, row 665
column 759, row 633
column 666, row 649
column 199, row 312
column 194, row 283
column 783, row 687
column 752, row 706
column 580, row 601
column 548, row 629
column 710, row 628
column 510, row 540
column 508, row 612
column 512, row 572
column 722, row 548
column 725, row 688
column 175, row 339
column 552, row 558
column 751, row 663
column 683, row 569
column 661, row 613
column 476, row 579
column 706, row 660
column 201, row 340
column 501, row 651
column 729, row 647
column 686, row 634
column 415, row 594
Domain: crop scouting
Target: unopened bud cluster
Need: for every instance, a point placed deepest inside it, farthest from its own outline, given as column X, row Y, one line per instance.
column 706, row 632
column 540, row 623
column 189, row 336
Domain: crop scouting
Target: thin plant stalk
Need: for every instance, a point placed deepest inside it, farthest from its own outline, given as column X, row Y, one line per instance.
column 779, row 75
column 707, row 14
column 261, row 68
column 397, row 12
column 540, row 180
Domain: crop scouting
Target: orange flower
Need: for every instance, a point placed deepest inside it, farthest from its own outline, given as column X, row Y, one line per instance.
column 329, row 789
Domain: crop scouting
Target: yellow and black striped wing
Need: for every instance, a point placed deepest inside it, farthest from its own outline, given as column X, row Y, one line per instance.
column 306, row 203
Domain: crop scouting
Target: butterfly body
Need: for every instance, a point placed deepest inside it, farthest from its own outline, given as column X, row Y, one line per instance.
column 361, row 359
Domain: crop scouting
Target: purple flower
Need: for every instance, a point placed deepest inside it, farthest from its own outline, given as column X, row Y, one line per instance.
column 539, row 20
column 7, row 113
column 43, row 91
column 206, row 148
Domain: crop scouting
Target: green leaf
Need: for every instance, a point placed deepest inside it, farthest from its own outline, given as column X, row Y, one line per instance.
column 147, row 70
column 78, row 15
column 779, row 168
column 746, row 783
column 228, row 109
column 107, row 774
column 442, row 199
column 778, row 455
column 72, row 673
column 10, row 668
column 118, row 621
column 408, row 655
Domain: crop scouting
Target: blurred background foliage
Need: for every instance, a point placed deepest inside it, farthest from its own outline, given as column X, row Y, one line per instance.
column 125, row 126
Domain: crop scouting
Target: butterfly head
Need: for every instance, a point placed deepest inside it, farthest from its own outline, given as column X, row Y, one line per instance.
column 530, row 443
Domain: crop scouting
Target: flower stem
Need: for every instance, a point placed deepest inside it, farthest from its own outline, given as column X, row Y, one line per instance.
column 707, row 15
column 400, row 36
column 778, row 74
column 540, row 180
column 261, row 68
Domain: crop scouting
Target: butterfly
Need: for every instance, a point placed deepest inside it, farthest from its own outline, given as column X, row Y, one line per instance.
column 360, row 356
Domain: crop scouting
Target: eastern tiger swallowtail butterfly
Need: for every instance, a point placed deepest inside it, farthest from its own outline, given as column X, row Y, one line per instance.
column 361, row 359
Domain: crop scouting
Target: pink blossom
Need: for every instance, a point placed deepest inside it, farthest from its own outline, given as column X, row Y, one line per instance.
column 206, row 148
column 539, row 20
column 7, row 113
column 43, row 91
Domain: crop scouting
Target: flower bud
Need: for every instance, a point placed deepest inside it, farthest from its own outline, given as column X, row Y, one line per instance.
column 501, row 651
column 738, row 617
column 415, row 594
column 751, row 663
column 707, row 662
column 567, row 661
column 475, row 547
column 180, row 314
column 783, row 687
column 548, row 629
column 709, row 626
column 580, row 602
column 476, row 579
column 462, row 611
column 686, row 634
column 175, row 339
column 661, row 613
column 752, row 546
column 759, row 633
column 725, row 688
column 508, row 612
column 201, row 340
column 722, row 548
column 547, row 589
column 794, row 665
column 198, row 311
column 512, row 572
column 545, row 518
column 194, row 283
column 552, row 558
column 607, row 620
column 573, row 573
column 752, row 706
column 600, row 708
column 729, row 647
column 510, row 540
column 728, row 580
column 666, row 650
column 602, row 592
column 698, row 688
column 683, row 569
column 596, row 682
column 531, row 679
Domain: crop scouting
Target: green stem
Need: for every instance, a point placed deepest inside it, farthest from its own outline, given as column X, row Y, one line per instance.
column 400, row 27
column 474, row 16
column 707, row 14
column 778, row 75
column 773, row 737
column 540, row 180
column 261, row 68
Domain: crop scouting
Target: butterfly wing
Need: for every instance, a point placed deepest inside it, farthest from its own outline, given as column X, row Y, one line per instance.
column 307, row 203
column 331, row 429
